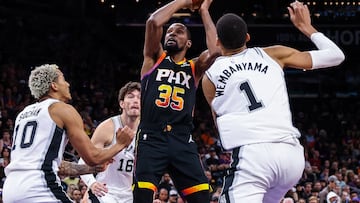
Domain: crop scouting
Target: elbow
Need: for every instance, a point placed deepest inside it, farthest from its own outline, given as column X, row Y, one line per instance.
column 91, row 161
column 340, row 58
column 326, row 58
column 152, row 21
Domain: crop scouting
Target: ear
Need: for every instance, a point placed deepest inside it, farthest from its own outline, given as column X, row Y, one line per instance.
column 53, row 86
column 247, row 37
column 121, row 103
column 188, row 43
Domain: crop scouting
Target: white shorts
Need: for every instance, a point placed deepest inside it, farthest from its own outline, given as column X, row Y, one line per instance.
column 31, row 186
column 112, row 196
column 264, row 172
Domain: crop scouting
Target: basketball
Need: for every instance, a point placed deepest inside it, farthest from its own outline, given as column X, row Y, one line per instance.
column 196, row 4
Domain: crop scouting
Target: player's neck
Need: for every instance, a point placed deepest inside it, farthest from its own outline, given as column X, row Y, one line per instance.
column 178, row 57
column 229, row 52
column 45, row 97
column 131, row 122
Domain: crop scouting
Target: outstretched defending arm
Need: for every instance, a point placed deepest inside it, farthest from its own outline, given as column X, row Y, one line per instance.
column 154, row 31
column 329, row 54
column 208, row 56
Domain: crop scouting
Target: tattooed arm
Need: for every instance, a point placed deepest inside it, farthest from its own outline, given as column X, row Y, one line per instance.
column 74, row 169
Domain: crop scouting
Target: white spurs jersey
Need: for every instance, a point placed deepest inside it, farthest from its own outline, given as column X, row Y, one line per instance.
column 37, row 151
column 118, row 175
column 251, row 99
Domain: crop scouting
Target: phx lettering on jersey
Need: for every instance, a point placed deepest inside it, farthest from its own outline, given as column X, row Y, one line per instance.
column 179, row 78
column 227, row 73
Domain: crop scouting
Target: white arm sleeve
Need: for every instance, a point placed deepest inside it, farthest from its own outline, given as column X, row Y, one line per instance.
column 328, row 55
column 88, row 179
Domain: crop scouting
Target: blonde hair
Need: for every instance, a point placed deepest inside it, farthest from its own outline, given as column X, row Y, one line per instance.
column 40, row 79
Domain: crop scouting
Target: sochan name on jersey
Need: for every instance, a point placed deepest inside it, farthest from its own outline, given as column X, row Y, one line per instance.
column 33, row 112
column 226, row 74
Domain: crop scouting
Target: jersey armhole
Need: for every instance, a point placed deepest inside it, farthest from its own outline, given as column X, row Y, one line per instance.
column 161, row 58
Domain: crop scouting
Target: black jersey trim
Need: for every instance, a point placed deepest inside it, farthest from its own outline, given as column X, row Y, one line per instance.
column 229, row 178
column 46, row 167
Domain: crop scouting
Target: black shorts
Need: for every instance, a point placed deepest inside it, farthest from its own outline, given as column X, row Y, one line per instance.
column 173, row 152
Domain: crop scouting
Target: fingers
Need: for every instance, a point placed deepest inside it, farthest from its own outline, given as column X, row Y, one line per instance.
column 297, row 5
column 125, row 135
column 99, row 189
column 291, row 11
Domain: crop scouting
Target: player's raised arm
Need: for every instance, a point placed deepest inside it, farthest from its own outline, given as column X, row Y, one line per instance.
column 327, row 55
column 154, row 31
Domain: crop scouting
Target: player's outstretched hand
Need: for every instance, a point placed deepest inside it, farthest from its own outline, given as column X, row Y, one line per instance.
column 99, row 189
column 194, row 4
column 300, row 17
column 205, row 5
column 124, row 136
column 299, row 13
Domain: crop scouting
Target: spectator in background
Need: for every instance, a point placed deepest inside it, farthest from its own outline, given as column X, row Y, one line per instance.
column 301, row 200
column 163, row 195
column 173, row 196
column 5, row 156
column 307, row 190
column 71, row 180
column 332, row 197
column 76, row 195
column 212, row 163
column 355, row 200
column 317, row 185
column 313, row 199
column 287, row 200
column 330, row 188
column 345, row 197
column 70, row 190
column 166, row 182
column 212, row 181
column 6, row 139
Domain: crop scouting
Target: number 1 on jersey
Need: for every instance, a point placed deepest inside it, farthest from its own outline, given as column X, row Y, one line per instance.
column 254, row 104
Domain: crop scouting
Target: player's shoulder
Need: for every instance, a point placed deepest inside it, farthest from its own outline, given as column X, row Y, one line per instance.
column 64, row 111
column 106, row 124
column 104, row 132
column 61, row 107
column 278, row 51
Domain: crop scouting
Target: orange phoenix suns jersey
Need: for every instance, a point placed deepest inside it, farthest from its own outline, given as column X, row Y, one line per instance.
column 168, row 93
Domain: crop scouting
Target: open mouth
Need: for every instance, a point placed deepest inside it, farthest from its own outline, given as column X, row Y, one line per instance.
column 171, row 41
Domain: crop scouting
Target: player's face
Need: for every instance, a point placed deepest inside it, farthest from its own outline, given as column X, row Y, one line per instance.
column 131, row 104
column 176, row 38
column 63, row 87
